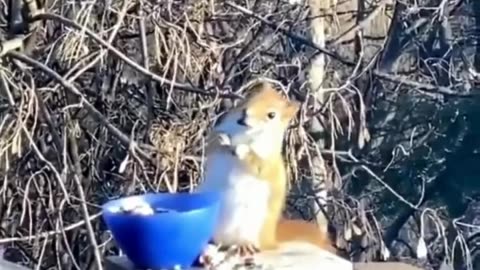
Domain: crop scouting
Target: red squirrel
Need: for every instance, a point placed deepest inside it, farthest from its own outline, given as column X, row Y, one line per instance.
column 244, row 160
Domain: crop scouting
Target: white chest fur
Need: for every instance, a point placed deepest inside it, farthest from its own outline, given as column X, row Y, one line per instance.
column 244, row 204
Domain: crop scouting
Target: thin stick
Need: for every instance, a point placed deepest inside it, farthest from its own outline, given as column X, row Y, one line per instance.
column 128, row 61
column 49, row 233
column 289, row 33
column 131, row 145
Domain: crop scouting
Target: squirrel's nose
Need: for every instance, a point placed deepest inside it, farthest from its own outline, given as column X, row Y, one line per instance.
column 241, row 121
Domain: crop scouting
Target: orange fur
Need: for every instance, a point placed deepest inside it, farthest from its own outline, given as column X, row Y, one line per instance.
column 300, row 230
column 262, row 100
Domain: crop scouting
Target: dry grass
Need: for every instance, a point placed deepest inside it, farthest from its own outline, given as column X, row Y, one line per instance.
column 115, row 100
column 117, row 95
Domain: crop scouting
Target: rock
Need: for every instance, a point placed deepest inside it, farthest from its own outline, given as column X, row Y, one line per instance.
column 385, row 266
column 301, row 255
column 289, row 256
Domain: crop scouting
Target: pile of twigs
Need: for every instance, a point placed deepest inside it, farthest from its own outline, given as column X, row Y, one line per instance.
column 103, row 99
column 107, row 98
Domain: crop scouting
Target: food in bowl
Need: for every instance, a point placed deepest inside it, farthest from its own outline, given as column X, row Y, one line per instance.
column 163, row 230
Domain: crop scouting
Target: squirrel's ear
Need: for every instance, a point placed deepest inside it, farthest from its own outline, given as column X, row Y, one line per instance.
column 292, row 108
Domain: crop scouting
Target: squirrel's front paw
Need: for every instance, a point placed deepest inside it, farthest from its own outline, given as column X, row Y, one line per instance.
column 241, row 151
column 224, row 139
column 210, row 256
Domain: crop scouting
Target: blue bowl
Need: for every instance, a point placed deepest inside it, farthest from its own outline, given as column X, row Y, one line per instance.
column 165, row 239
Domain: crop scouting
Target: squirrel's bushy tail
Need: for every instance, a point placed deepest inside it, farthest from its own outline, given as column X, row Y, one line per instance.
column 301, row 230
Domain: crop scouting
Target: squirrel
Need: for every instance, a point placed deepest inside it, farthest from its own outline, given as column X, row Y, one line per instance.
column 244, row 160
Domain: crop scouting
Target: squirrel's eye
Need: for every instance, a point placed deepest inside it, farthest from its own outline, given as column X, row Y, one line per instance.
column 271, row 115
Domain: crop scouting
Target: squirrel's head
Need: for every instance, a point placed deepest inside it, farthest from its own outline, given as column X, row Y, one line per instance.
column 261, row 119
